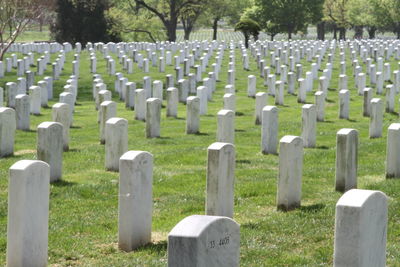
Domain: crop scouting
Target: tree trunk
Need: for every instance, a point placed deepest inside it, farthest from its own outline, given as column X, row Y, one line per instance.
column 215, row 28
column 289, row 35
column 342, row 33
column 321, row 30
column 335, row 34
column 358, row 32
column 171, row 30
column 272, row 37
column 187, row 32
column 371, row 32
column 246, row 40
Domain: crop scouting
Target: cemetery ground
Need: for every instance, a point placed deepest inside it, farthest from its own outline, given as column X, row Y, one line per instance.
column 83, row 220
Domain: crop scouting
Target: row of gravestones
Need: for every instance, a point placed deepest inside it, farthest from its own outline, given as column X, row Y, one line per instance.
column 198, row 240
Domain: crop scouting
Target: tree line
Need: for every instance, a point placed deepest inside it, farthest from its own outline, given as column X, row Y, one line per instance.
column 158, row 20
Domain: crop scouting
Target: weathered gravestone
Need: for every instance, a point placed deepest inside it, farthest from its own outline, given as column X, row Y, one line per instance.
column 7, row 131
column 116, row 138
column 153, row 117
column 192, row 115
column 220, row 179
column 172, row 102
column 269, row 130
column 360, row 229
column 290, row 172
column 22, row 112
column 309, row 125
column 62, row 114
column 28, row 214
column 140, row 104
column 226, row 126
column 346, row 159
column 135, row 202
column 393, row 151
column 376, row 118
column 50, row 147
column 204, row 241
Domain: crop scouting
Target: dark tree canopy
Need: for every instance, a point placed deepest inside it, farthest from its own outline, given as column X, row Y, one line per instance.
column 249, row 28
column 82, row 21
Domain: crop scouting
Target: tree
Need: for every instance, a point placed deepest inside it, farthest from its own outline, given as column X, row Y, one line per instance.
column 248, row 27
column 15, row 16
column 336, row 11
column 168, row 11
column 139, row 25
column 189, row 18
column 291, row 16
column 82, row 21
column 255, row 13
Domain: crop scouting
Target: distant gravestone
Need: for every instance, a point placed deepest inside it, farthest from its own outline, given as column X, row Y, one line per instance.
column 204, row 241
column 367, row 97
column 172, row 102
column 153, row 117
column 230, row 102
column 28, row 213
column 135, row 202
column 220, row 179
column 226, row 126
column 290, row 172
column 11, row 93
column 192, row 115
column 360, row 229
column 62, row 114
column 116, row 133
column 108, row 110
column 344, row 103
column 202, row 94
column 346, row 159
column 7, row 131
column 261, row 102
column 140, row 104
column 376, row 118
column 35, row 99
column 50, row 147
column 251, row 86
column 309, row 125
column 269, row 130
column 393, row 151
column 320, row 105
column 22, row 112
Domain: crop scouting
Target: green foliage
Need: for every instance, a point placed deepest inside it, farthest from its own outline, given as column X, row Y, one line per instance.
column 82, row 21
column 141, row 25
column 248, row 27
column 290, row 16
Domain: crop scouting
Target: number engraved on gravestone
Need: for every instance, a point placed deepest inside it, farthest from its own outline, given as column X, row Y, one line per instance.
column 218, row 243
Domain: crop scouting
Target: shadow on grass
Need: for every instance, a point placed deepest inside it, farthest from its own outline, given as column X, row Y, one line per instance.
column 330, row 101
column 312, row 208
column 38, row 115
column 351, row 120
column 202, row 134
column 331, row 89
column 325, row 121
column 251, row 226
column 73, row 150
column 63, row 183
column 322, row 147
column 159, row 247
column 30, row 131
column 239, row 131
column 394, row 113
column 209, row 115
column 180, row 118
column 239, row 114
column 243, row 161
column 76, row 127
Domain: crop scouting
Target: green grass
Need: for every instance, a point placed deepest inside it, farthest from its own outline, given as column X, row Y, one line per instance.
column 84, row 205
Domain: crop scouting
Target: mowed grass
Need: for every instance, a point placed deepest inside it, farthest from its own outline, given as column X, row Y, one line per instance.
column 83, row 223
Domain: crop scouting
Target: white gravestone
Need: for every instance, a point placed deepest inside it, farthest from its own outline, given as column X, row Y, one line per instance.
column 226, row 126
column 116, row 134
column 135, row 201
column 153, row 117
column 360, row 229
column 62, row 114
column 393, row 151
column 7, row 131
column 290, row 173
column 261, row 102
column 204, row 241
column 22, row 112
column 108, row 110
column 50, row 147
column 140, row 104
column 172, row 102
column 309, row 125
column 28, row 213
column 376, row 118
column 269, row 130
column 192, row 115
column 346, row 159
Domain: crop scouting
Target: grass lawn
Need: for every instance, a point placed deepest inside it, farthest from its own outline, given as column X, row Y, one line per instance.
column 84, row 205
